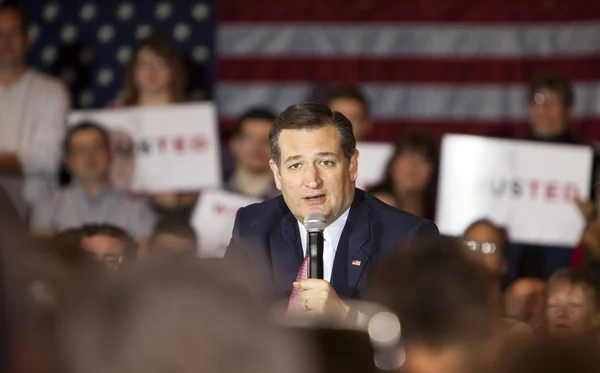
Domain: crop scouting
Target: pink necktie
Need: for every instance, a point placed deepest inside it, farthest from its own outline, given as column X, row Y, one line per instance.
column 295, row 303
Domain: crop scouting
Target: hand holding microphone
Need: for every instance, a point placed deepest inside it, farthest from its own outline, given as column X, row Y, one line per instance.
column 315, row 225
column 318, row 296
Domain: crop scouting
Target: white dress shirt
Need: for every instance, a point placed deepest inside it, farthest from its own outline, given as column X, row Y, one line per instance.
column 33, row 114
column 331, row 235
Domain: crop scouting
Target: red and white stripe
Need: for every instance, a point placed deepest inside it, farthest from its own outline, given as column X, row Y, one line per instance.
column 446, row 66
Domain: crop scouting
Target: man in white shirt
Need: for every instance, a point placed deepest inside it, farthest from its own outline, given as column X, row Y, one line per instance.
column 33, row 108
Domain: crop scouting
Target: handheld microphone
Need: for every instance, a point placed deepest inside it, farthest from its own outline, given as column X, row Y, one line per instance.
column 315, row 225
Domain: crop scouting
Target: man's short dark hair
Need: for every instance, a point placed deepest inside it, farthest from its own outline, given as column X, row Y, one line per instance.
column 256, row 113
column 348, row 92
column 504, row 245
column 104, row 229
column 312, row 116
column 176, row 227
column 554, row 82
column 18, row 10
column 575, row 277
column 438, row 293
column 84, row 126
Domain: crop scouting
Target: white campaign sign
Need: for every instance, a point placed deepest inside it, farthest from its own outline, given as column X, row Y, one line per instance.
column 167, row 148
column 528, row 187
column 372, row 160
column 213, row 220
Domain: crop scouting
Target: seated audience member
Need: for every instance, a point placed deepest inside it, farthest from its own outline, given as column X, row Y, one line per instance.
column 488, row 245
column 572, row 305
column 156, row 76
column 173, row 238
column 352, row 103
column 587, row 255
column 250, row 147
column 524, row 301
column 411, row 176
column 111, row 245
column 443, row 301
column 33, row 109
column 90, row 198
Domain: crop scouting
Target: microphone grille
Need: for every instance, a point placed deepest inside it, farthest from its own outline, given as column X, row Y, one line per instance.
column 315, row 222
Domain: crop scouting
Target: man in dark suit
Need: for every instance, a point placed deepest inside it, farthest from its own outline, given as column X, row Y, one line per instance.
column 315, row 162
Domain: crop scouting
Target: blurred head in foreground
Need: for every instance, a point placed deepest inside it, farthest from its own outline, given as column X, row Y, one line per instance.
column 572, row 304
column 444, row 305
column 177, row 317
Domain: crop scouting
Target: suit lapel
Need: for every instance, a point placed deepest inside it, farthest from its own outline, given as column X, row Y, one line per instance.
column 286, row 253
column 354, row 251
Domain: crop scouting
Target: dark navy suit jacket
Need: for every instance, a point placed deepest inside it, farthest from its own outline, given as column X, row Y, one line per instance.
column 266, row 237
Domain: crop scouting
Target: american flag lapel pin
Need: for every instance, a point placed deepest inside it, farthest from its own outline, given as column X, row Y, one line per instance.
column 356, row 263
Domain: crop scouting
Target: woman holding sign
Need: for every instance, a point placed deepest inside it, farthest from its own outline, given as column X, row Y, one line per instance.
column 155, row 76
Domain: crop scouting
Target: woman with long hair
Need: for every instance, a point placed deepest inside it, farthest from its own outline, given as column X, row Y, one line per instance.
column 155, row 76
column 410, row 180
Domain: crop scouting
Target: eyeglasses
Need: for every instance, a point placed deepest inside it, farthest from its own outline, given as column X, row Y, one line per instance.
column 543, row 100
column 483, row 247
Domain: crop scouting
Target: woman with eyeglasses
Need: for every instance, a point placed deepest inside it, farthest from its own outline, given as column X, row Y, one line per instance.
column 487, row 244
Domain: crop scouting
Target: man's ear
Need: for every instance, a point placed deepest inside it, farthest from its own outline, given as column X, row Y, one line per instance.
column 276, row 174
column 353, row 167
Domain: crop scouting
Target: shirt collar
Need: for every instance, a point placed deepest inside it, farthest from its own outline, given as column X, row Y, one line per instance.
column 332, row 233
column 82, row 193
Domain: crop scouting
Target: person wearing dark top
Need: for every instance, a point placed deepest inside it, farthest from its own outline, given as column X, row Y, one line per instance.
column 551, row 100
column 410, row 180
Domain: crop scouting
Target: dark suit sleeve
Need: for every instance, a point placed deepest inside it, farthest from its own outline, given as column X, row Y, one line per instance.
column 426, row 230
column 236, row 251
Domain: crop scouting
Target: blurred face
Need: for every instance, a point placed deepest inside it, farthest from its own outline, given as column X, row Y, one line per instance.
column 549, row 117
column 152, row 74
column 484, row 244
column 168, row 245
column 89, row 157
column 356, row 113
column 251, row 146
column 13, row 42
column 313, row 175
column 570, row 309
column 107, row 249
column 411, row 172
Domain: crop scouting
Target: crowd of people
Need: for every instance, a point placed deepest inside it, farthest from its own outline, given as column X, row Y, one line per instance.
column 95, row 278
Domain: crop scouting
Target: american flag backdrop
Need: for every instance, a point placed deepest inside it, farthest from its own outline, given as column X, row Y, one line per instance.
column 443, row 65
column 88, row 42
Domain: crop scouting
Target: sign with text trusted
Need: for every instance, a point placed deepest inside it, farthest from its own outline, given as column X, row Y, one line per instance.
column 165, row 148
column 528, row 187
